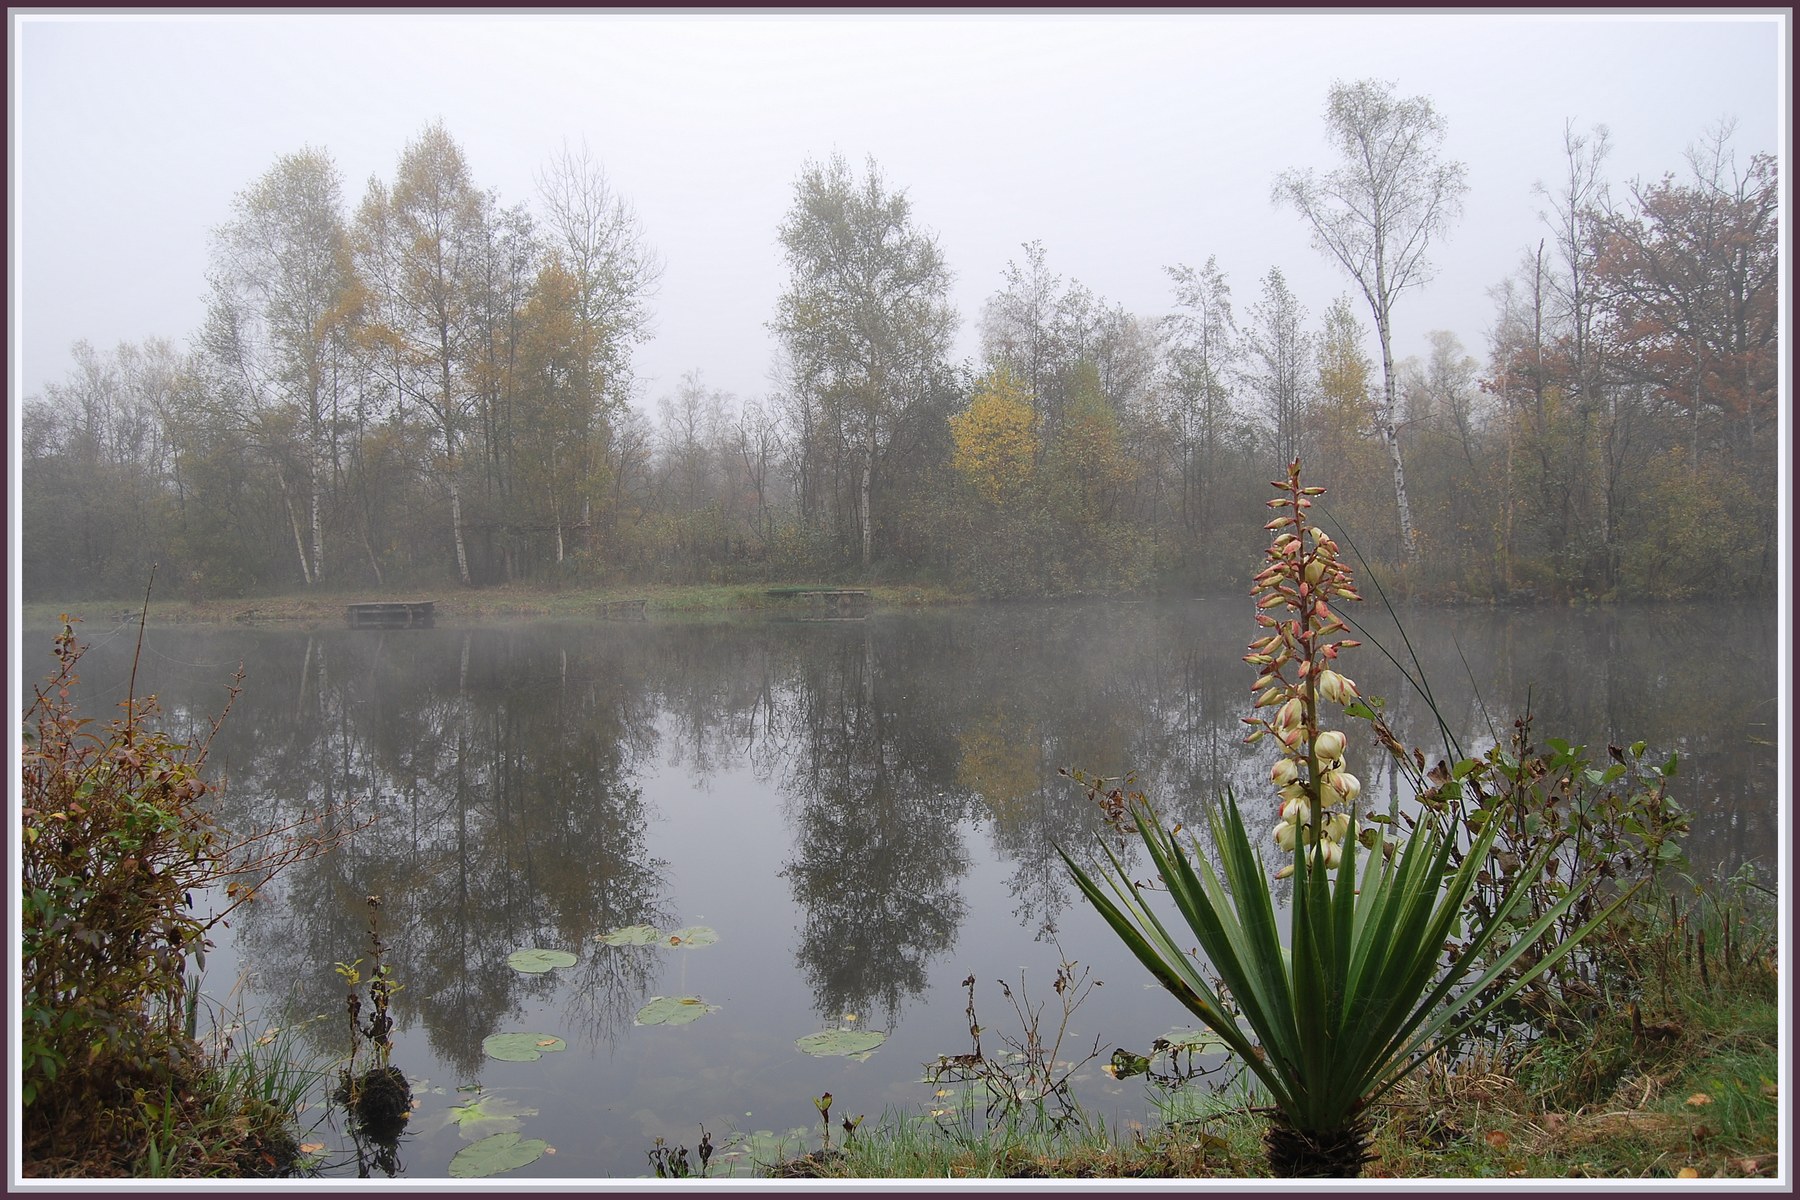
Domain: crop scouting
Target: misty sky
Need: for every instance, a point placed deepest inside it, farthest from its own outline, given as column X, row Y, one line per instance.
column 1125, row 143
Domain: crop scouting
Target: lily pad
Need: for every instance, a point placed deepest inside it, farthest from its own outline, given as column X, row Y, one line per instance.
column 691, row 938
column 494, row 1154
column 633, row 935
column 846, row 1043
column 1198, row 1041
column 673, row 1010
column 487, row 1115
column 534, row 961
column 521, row 1047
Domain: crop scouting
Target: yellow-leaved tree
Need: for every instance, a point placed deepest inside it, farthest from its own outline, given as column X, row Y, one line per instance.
column 996, row 438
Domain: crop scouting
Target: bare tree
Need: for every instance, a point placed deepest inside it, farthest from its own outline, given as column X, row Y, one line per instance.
column 1282, row 367
column 1017, row 325
column 1377, row 213
column 596, row 234
column 1204, row 348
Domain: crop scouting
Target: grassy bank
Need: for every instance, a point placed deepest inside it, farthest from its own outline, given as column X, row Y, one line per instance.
column 1685, row 1089
column 326, row 608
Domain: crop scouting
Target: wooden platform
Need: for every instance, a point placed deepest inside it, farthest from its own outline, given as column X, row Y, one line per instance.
column 836, row 603
column 390, row 614
column 621, row 610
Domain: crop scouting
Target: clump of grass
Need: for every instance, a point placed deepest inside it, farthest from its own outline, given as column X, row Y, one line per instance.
column 913, row 1146
column 1679, row 1076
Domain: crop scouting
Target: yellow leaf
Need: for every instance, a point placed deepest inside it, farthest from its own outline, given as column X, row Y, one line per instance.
column 311, row 1147
column 546, row 1041
column 1687, row 1173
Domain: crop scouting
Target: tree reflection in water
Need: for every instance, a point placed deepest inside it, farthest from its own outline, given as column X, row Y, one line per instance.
column 900, row 774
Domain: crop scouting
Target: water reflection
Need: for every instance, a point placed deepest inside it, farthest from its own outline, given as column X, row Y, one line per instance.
column 876, row 858
column 500, row 775
column 831, row 795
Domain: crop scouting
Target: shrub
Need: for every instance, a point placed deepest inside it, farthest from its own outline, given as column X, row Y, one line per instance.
column 116, row 846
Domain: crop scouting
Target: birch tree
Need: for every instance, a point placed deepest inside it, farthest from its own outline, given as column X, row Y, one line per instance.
column 283, row 290
column 1377, row 214
column 865, row 318
column 423, row 241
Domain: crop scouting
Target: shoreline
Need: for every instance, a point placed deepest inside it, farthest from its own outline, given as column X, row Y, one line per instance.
column 456, row 603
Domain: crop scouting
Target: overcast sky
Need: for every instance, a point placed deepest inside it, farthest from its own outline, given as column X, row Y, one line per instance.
column 1124, row 142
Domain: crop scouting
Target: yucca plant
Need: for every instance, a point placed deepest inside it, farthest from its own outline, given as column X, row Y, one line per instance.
column 1364, row 991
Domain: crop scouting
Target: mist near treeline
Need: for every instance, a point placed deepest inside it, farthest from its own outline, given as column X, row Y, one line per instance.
column 429, row 384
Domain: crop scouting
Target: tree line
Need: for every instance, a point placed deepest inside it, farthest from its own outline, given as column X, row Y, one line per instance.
column 437, row 386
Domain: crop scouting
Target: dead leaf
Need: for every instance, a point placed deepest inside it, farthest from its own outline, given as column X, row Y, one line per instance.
column 546, row 1041
column 311, row 1147
column 1699, row 1100
column 1497, row 1139
column 1687, row 1173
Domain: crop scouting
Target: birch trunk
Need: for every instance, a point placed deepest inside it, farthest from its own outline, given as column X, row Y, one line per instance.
column 868, row 523
column 287, row 500
column 1390, row 434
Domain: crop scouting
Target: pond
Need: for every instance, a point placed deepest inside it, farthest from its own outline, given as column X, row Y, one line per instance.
column 852, row 817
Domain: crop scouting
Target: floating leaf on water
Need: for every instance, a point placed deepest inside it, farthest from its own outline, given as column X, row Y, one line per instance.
column 521, row 1047
column 632, row 935
column 841, row 1042
column 1198, row 1041
column 691, row 938
column 673, row 1010
column 494, row 1154
column 534, row 961
column 1125, row 1064
column 486, row 1115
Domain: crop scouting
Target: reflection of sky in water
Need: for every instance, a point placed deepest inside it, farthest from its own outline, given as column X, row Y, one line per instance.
column 865, row 813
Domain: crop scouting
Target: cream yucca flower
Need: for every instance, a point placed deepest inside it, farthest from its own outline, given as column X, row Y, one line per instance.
column 1335, row 687
column 1328, row 746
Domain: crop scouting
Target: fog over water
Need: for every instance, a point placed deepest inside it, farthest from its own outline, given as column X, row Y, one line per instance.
column 864, row 812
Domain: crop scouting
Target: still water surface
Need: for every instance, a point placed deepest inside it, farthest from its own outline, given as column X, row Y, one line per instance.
column 863, row 811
